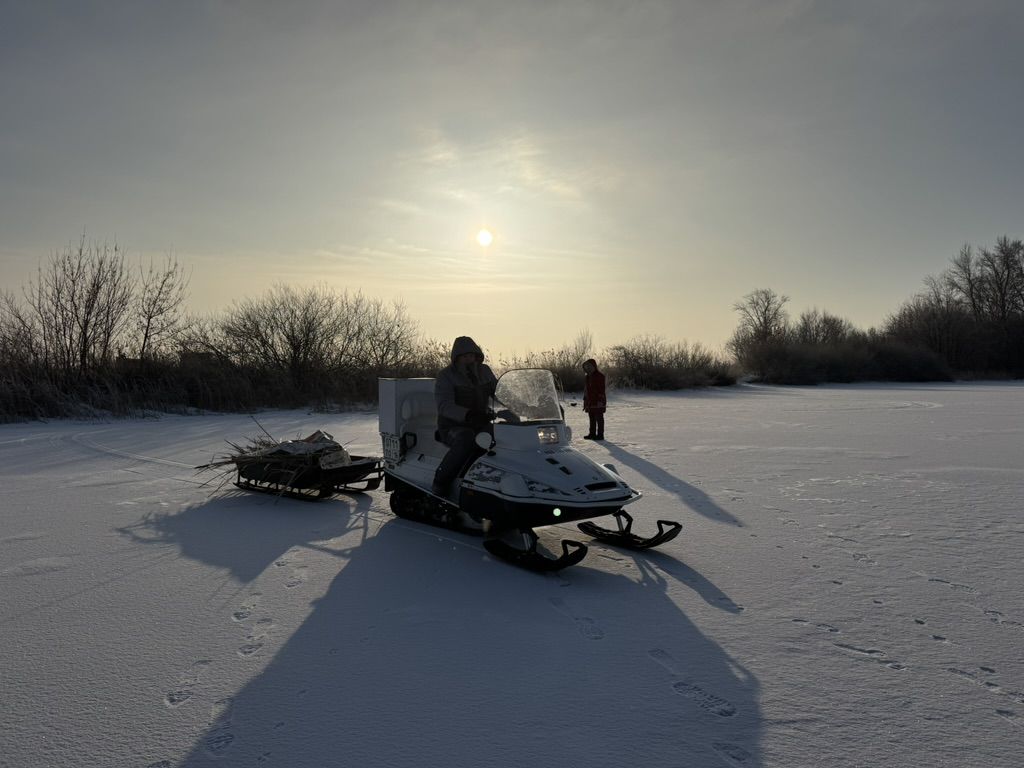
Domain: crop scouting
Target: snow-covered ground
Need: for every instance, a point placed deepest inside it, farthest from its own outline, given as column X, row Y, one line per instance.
column 846, row 592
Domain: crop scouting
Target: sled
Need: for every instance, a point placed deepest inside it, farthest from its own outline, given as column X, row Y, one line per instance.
column 311, row 482
column 312, row 468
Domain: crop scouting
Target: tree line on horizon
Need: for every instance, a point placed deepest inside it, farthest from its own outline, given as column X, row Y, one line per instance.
column 966, row 323
column 97, row 333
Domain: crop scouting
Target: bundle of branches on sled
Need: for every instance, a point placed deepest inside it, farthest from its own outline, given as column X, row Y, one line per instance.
column 312, row 467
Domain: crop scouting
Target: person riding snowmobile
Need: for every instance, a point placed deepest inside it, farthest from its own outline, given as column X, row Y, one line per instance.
column 462, row 392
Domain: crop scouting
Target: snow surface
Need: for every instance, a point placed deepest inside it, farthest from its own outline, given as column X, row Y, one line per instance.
column 846, row 592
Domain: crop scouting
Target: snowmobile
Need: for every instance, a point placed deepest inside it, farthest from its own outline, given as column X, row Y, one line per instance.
column 525, row 476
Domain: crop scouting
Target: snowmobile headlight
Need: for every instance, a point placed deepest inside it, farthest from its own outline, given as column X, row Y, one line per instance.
column 547, row 435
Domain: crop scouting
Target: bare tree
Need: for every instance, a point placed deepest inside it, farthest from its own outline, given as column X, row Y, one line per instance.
column 939, row 320
column 821, row 328
column 81, row 302
column 316, row 334
column 990, row 282
column 1003, row 282
column 579, row 349
column 389, row 336
column 18, row 335
column 161, row 293
column 963, row 280
column 284, row 330
column 764, row 325
column 763, row 315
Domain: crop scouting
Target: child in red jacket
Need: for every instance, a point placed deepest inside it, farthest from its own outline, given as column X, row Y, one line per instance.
column 594, row 401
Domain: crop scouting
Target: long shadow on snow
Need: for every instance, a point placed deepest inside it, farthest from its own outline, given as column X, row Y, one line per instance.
column 650, row 561
column 689, row 494
column 246, row 532
column 424, row 651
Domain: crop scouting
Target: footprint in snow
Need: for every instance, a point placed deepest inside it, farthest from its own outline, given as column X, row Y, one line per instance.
column 874, row 654
column 998, row 617
column 247, row 608
column 820, row 626
column 1011, row 717
column 716, row 705
column 586, row 625
column 26, row 536
column 664, row 658
column 731, row 753
column 972, row 677
column 38, row 566
column 256, row 639
column 709, row 702
column 297, row 578
column 251, row 648
column 954, row 585
column 220, row 736
column 185, row 689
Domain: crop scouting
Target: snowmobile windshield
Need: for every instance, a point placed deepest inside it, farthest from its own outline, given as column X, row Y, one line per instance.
column 527, row 395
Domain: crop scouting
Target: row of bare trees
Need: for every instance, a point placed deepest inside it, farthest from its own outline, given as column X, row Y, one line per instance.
column 95, row 330
column 87, row 306
column 968, row 321
column 972, row 314
column 643, row 362
column 315, row 343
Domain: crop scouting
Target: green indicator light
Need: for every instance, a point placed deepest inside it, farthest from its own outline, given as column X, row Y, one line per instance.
column 557, row 512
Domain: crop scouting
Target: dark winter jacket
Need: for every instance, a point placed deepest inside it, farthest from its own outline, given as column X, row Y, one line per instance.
column 594, row 399
column 461, row 389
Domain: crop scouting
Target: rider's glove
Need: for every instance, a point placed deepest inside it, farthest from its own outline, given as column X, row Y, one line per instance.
column 478, row 419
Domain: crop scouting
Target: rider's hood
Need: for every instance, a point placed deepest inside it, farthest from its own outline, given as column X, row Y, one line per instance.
column 464, row 345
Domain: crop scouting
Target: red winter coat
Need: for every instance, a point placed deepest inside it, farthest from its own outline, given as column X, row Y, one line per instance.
column 594, row 400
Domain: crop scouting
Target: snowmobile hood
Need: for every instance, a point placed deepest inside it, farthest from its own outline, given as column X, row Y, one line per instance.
column 561, row 476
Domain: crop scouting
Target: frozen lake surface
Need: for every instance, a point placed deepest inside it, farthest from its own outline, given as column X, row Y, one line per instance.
column 847, row 591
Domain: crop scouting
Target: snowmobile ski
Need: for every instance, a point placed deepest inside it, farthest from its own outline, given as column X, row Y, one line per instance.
column 624, row 537
column 532, row 560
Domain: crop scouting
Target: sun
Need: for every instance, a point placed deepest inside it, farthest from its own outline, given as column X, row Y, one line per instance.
column 484, row 237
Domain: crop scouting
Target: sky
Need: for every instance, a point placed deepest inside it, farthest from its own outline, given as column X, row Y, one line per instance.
column 641, row 165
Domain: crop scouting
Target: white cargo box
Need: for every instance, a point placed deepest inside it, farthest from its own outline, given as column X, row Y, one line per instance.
column 403, row 401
